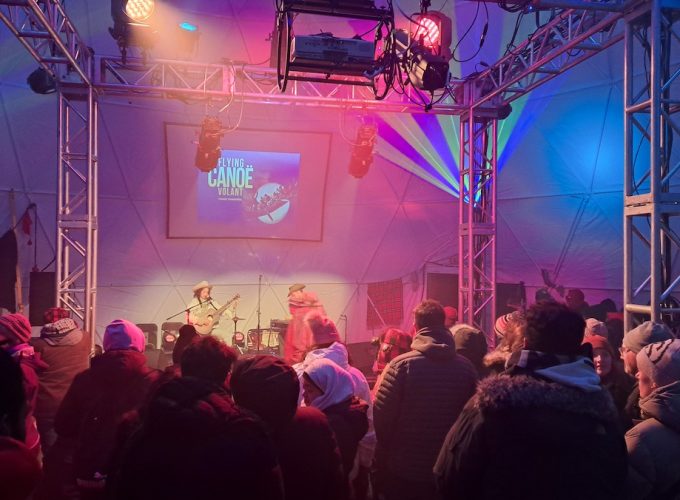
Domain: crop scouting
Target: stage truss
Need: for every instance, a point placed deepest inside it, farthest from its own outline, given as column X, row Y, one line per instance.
column 577, row 33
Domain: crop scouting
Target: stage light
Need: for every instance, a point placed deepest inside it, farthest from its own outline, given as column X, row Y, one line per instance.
column 187, row 39
column 139, row 10
column 169, row 341
column 433, row 31
column 362, row 152
column 209, row 150
column 132, row 24
column 426, row 71
column 41, row 82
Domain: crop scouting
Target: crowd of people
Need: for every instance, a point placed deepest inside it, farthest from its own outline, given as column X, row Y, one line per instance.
column 556, row 406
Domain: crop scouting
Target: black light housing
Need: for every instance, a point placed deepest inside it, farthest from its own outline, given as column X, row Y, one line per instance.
column 41, row 82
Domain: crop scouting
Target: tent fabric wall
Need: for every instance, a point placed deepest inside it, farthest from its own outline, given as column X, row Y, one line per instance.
column 559, row 187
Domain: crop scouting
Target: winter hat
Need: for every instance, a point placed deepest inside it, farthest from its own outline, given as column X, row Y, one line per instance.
column 599, row 342
column 121, row 334
column 660, row 361
column 647, row 333
column 451, row 313
column 16, row 327
column 55, row 314
column 322, row 327
column 54, row 333
column 595, row 327
column 187, row 334
column 268, row 387
column 19, row 470
column 502, row 324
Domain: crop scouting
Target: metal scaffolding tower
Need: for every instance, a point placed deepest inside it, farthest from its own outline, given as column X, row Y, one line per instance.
column 477, row 222
column 651, row 190
column 45, row 30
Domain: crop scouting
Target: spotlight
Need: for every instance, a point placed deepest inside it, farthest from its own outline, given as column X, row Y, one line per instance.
column 208, row 151
column 132, row 24
column 41, row 82
column 426, row 71
column 139, row 10
column 187, row 39
column 169, row 341
column 433, row 31
column 362, row 153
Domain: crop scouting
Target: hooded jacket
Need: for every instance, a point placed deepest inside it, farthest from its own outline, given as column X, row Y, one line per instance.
column 654, row 447
column 304, row 440
column 194, row 442
column 337, row 352
column 419, row 398
column 535, row 434
column 117, row 382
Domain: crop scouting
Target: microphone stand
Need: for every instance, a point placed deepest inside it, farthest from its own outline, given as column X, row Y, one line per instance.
column 259, row 299
column 182, row 311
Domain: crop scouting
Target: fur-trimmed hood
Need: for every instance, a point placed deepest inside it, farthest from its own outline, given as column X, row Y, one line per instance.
column 506, row 392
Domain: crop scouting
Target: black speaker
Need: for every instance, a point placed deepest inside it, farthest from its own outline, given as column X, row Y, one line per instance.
column 362, row 355
column 150, row 333
column 443, row 287
column 41, row 296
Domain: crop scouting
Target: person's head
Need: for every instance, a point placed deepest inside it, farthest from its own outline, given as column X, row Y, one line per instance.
column 14, row 330
column 510, row 328
column 55, row 314
column 595, row 327
column 429, row 314
column 121, row 335
column 658, row 365
column 12, row 398
column 543, row 295
column 553, row 328
column 393, row 343
column 19, row 470
column 647, row 333
column 268, row 387
column 202, row 290
column 603, row 354
column 325, row 384
column 187, row 335
column 575, row 298
column 209, row 359
column 470, row 342
column 324, row 331
column 451, row 316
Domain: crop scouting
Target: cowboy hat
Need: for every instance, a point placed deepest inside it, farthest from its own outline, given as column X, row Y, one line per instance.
column 200, row 286
column 295, row 288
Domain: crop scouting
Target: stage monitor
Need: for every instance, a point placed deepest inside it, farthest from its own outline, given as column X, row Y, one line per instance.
column 267, row 184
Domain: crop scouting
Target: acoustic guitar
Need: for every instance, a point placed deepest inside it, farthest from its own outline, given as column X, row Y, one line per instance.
column 205, row 320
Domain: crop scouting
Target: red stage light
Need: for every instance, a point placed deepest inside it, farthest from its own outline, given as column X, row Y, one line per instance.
column 432, row 31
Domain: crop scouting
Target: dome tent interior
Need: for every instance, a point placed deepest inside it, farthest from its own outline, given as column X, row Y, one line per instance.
column 559, row 183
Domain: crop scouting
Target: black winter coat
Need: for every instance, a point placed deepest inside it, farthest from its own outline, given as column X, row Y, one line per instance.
column 524, row 438
column 421, row 395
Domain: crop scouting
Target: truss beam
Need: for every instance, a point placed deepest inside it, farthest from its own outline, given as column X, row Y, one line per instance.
column 651, row 187
column 47, row 33
column 77, row 206
column 477, row 223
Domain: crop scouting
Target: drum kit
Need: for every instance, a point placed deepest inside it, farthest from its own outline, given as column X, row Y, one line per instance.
column 260, row 341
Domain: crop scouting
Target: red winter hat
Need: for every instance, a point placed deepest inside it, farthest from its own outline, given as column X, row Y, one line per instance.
column 16, row 328
column 599, row 342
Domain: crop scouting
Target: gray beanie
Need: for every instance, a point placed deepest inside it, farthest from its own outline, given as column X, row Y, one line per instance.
column 645, row 334
column 661, row 362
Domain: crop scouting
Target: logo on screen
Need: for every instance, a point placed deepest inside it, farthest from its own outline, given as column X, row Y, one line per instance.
column 252, row 186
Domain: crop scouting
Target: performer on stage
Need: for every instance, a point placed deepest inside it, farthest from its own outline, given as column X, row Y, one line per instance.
column 201, row 307
column 298, row 334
